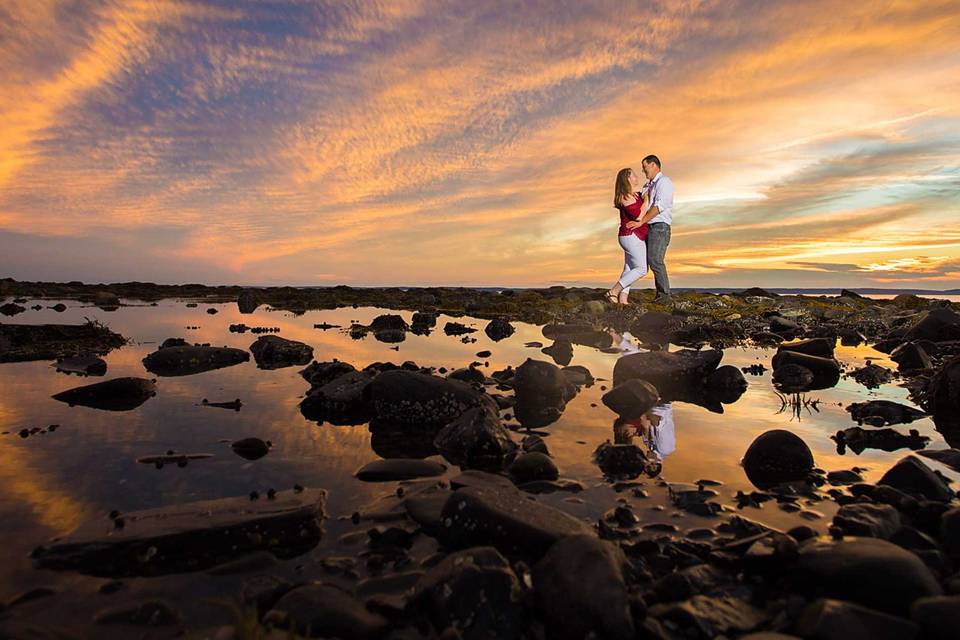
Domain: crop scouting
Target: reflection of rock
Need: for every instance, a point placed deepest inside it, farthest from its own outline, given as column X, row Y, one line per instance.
column 858, row 439
column 561, row 351
column 669, row 371
column 188, row 360
column 498, row 329
column 119, row 394
column 82, row 365
column 250, row 448
column 248, row 301
column 872, row 376
column 457, row 329
column 389, row 440
column 820, row 347
column 533, row 466
column 889, row 412
column 542, row 392
column 476, row 440
column 583, row 334
column 793, row 378
column 424, row 319
column 399, row 469
column 421, row 400
column 727, row 384
column 342, row 401
column 320, row 373
column 106, row 300
column 11, row 309
column 274, row 352
column 775, row 457
column 631, row 399
column 189, row 537
column 826, row 371
column 620, row 460
column 23, row 342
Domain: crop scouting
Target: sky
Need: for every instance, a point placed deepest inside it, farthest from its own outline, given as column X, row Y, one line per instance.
column 408, row 142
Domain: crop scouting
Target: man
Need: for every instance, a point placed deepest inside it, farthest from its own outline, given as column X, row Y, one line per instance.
column 660, row 188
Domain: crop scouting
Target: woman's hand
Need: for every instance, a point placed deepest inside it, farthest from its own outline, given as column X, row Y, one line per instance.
column 633, row 224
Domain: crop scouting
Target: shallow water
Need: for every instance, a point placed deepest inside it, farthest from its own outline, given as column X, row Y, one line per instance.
column 87, row 467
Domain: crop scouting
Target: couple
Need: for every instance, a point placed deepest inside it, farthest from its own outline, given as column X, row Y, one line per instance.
column 645, row 217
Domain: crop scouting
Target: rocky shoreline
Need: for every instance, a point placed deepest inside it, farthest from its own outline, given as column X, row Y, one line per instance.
column 481, row 554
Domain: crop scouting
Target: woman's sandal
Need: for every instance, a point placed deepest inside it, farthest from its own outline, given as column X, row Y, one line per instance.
column 613, row 298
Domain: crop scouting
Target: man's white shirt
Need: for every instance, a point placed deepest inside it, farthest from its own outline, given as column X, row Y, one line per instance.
column 661, row 188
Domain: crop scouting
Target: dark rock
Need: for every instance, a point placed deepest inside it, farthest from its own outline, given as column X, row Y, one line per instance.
column 424, row 319
column 399, row 469
column 755, row 292
column 468, row 374
column 529, row 467
column 793, row 378
column 506, row 519
column 25, row 342
column 950, row 532
column 872, row 376
column 498, row 330
column 710, row 616
column 11, row 309
column 889, row 412
column 727, row 384
column 153, row 613
column 392, row 441
column 173, row 342
column 828, row 619
column 631, row 399
column 655, row 325
column 948, row 457
column 582, row 334
column 274, row 352
column 320, row 373
column 188, row 360
column 913, row 477
column 821, row 347
column 82, row 365
column 580, row 588
column 775, row 457
column 844, row 477
column 342, row 401
column 534, row 443
column 578, row 375
column 826, row 371
column 943, row 400
column 911, row 357
column 938, row 617
column 119, row 394
column 781, row 325
column 620, row 460
column 937, row 325
column 106, row 299
column 422, row 400
column 388, row 322
column 868, row 571
column 476, row 439
column 322, row 611
column 669, row 372
column 561, row 351
column 248, row 301
column 475, row 592
column 482, row 480
column 542, row 393
column 868, row 520
column 250, row 448
column 858, row 440
column 457, row 329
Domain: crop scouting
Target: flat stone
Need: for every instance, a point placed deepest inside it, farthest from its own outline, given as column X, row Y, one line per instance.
column 274, row 352
column 190, row 360
column 868, row 520
column 119, row 394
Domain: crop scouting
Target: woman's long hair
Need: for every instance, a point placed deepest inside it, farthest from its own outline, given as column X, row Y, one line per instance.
column 622, row 189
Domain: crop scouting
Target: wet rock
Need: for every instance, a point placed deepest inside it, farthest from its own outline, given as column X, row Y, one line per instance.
column 820, row 347
column 911, row 357
column 457, row 329
column 620, row 460
column 781, row 325
column 468, row 374
column 844, row 477
column 388, row 322
column 580, row 588
column 342, row 401
column 542, row 392
column 949, row 457
column 421, row 400
column 655, row 325
column 173, row 342
column 534, row 443
column 889, row 412
column 506, row 519
column 323, row 611
column 793, row 378
column 189, row 360
column 938, row 617
column 632, row 399
column 424, row 319
column 561, row 351
column 937, row 325
column 913, row 477
column 189, row 537
column 391, row 441
column 858, row 440
column 775, row 457
column 482, row 480
column 119, row 394
column 755, row 292
column 248, row 301
column 868, row 520
column 498, row 330
column 669, row 372
column 153, row 613
column 476, row 439
column 24, row 342
column 474, row 592
column 872, row 376
column 950, row 532
column 82, row 365
column 399, row 469
column 578, row 375
column 868, row 571
column 943, row 400
column 106, row 300
column 533, row 466
column 709, row 617
column 320, row 373
column 59, row 307
column 274, row 352
column 826, row 371
column 250, row 448
column 827, row 619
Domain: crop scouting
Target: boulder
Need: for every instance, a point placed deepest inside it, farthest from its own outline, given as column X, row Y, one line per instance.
column 106, row 299
column 250, row 448
column 274, row 352
column 943, row 398
column 189, row 360
column 820, row 347
column 620, row 460
column 248, row 300
column 533, row 466
column 320, row 373
column 670, row 372
column 476, row 439
column 826, row 371
column 910, row 356
column 82, row 365
column 781, row 325
column 827, row 619
column 388, row 322
column 868, row 520
column 911, row 476
column 655, row 325
column 498, row 330
column 420, row 400
column 938, row 325
column 24, row 342
column 631, row 399
column 775, row 457
column 119, row 394
column 342, row 401
column 726, row 384
column 793, row 378
column 542, row 392
column 938, row 617
column 324, row 611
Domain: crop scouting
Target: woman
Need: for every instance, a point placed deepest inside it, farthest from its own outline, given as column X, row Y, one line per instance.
column 633, row 231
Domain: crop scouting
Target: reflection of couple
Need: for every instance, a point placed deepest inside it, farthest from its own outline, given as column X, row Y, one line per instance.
column 645, row 217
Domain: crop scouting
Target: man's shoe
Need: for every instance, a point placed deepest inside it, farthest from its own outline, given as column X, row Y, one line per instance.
column 663, row 299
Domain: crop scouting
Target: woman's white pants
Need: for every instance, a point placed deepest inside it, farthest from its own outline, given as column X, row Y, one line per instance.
column 634, row 260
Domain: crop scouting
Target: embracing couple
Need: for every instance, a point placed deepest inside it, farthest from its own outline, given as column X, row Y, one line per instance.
column 645, row 216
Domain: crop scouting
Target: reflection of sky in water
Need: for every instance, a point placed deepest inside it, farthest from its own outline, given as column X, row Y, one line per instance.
column 50, row 483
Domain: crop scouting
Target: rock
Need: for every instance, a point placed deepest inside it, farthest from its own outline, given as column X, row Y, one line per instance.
column 820, row 347
column 844, row 477
column 173, row 342
column 889, row 412
column 250, row 448
column 872, row 376
column 775, row 457
column 911, row 357
column 620, row 460
column 710, row 617
column 781, row 325
column 274, row 352
column 793, row 378
column 424, row 319
column 421, row 400
column 188, row 360
column 476, row 439
column 669, row 372
column 631, row 399
column 561, row 351
column 949, row 457
column 937, row 325
column 399, row 469
column 189, row 537
column 858, row 440
column 913, row 477
column 827, row 619
column 655, row 325
column 342, row 401
column 322, row 611
column 542, row 393
column 82, row 365
column 119, row 394
column 755, row 292
column 320, row 373
column 727, row 384
column 11, row 309
column 868, row 520
column 388, row 322
column 868, row 571
column 106, row 299
column 826, row 371
column 152, row 613
column 578, row 375
column 248, row 301
column 532, row 466
column 580, row 590
column 938, row 617
column 475, row 592
column 582, row 334
column 457, row 329
column 943, row 399
column 25, row 342
column 950, row 532
column 483, row 480
column 506, row 519
column 498, row 330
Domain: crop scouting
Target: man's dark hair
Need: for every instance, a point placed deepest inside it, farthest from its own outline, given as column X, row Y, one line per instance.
column 654, row 159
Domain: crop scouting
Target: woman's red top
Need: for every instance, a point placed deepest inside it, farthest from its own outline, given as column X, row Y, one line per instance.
column 629, row 213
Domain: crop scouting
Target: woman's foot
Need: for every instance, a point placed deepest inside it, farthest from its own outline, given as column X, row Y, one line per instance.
column 612, row 297
column 624, row 297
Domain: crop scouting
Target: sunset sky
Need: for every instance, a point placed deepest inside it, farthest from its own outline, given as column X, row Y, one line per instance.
column 811, row 144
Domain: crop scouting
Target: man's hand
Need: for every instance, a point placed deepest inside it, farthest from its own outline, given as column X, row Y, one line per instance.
column 633, row 224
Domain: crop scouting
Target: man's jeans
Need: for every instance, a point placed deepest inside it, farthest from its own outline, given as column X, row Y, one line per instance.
column 658, row 238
